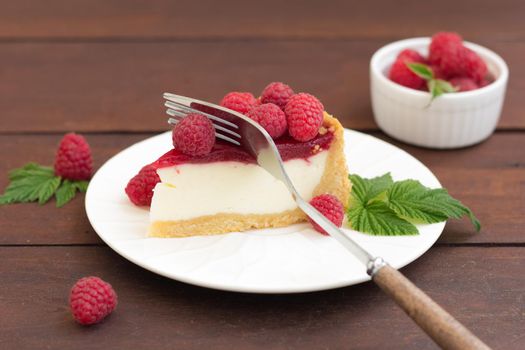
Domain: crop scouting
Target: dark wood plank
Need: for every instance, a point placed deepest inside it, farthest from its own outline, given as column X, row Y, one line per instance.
column 273, row 18
column 118, row 87
column 489, row 178
column 482, row 287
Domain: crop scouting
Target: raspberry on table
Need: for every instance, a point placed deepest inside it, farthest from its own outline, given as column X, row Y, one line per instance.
column 304, row 114
column 271, row 118
column 463, row 84
column 330, row 207
column 73, row 158
column 194, row 135
column 240, row 102
column 91, row 300
column 441, row 45
column 277, row 93
column 140, row 188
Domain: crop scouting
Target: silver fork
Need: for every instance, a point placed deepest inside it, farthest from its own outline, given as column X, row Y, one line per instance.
column 241, row 131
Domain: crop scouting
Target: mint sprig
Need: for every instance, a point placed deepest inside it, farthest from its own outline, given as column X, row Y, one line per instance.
column 410, row 199
column 378, row 219
column 380, row 206
column 37, row 183
column 436, row 87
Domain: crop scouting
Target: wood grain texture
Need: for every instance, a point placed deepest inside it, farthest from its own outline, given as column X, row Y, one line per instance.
column 489, row 178
column 270, row 19
column 101, row 66
column 440, row 325
column 482, row 287
column 117, row 86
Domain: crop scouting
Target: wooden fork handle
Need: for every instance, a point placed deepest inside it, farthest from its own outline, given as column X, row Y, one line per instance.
column 444, row 329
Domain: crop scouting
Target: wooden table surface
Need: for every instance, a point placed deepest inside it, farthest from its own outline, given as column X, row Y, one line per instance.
column 99, row 67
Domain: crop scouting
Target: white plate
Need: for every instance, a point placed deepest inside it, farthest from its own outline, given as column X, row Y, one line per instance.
column 285, row 260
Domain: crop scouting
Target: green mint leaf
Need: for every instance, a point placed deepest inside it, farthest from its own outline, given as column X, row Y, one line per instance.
column 434, row 88
column 377, row 218
column 438, row 87
column 81, row 186
column 30, row 183
column 65, row 193
column 47, row 189
column 411, row 200
column 364, row 190
column 30, row 189
column 445, row 86
column 421, row 70
column 30, row 169
column 380, row 206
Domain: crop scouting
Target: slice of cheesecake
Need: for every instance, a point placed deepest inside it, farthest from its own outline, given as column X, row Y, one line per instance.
column 226, row 191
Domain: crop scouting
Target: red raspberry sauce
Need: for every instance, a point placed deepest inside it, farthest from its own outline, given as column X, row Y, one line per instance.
column 288, row 147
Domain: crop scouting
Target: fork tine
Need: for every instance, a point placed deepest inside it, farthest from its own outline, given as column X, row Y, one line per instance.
column 173, row 121
column 177, row 113
column 176, row 105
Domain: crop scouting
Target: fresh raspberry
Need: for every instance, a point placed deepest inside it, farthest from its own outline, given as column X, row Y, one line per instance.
column 463, row 84
column 411, row 56
column 330, row 207
column 91, row 300
column 140, row 188
column 473, row 66
column 401, row 74
column 194, row 135
column 277, row 93
column 73, row 158
column 485, row 82
column 442, row 44
column 438, row 74
column 304, row 114
column 452, row 64
column 271, row 118
column 240, row 102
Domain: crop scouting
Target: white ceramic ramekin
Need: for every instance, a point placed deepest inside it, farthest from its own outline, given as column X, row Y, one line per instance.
column 452, row 120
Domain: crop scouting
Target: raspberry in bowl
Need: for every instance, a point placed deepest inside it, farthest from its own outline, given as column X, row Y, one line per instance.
column 404, row 109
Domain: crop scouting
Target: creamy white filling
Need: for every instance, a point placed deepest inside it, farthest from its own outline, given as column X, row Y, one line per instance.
column 191, row 190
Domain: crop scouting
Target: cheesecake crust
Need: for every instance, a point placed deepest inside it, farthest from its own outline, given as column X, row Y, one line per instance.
column 333, row 181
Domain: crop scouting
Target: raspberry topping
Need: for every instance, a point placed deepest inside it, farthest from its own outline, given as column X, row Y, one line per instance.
column 91, row 300
column 442, row 44
column 140, row 188
column 240, row 102
column 194, row 135
column 271, row 118
column 330, row 207
column 73, row 158
column 288, row 147
column 277, row 93
column 463, row 84
column 304, row 114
